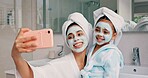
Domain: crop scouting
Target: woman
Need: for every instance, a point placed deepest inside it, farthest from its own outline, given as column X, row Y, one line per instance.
column 76, row 32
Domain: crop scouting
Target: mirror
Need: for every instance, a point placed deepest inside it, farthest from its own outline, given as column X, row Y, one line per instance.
column 53, row 13
column 139, row 16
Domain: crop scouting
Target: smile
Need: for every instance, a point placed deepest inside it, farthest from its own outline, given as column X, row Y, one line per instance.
column 78, row 45
column 100, row 38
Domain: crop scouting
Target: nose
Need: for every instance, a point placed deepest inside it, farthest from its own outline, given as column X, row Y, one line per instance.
column 101, row 34
column 76, row 39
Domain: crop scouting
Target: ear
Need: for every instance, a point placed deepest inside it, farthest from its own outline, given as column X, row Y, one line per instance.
column 114, row 36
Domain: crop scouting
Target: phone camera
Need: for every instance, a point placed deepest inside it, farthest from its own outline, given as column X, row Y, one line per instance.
column 48, row 32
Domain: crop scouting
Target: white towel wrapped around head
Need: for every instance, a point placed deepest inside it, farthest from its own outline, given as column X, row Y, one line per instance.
column 116, row 20
column 79, row 19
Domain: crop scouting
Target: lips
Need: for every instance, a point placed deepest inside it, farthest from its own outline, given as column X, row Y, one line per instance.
column 100, row 38
column 78, row 45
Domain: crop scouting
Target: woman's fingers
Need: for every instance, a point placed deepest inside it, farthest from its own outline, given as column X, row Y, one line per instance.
column 22, row 31
column 22, row 50
column 22, row 39
column 26, row 46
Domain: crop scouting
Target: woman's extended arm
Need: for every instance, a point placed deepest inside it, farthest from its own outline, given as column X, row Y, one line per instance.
column 23, row 45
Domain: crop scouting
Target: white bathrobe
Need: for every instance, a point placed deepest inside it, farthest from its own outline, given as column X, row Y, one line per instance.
column 64, row 67
column 104, row 63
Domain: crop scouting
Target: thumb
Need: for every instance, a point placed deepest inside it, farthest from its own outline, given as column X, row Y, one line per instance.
column 22, row 31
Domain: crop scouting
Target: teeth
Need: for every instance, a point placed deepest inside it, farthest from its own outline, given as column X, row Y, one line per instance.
column 78, row 44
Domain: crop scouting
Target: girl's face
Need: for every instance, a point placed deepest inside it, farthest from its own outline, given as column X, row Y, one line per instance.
column 76, row 39
column 104, row 32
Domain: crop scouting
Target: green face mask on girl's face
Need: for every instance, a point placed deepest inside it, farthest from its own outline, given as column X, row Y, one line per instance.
column 103, row 33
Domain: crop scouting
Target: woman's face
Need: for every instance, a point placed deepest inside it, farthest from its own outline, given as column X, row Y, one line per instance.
column 76, row 39
column 104, row 32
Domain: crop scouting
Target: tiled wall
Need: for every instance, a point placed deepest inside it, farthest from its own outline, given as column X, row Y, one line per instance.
column 7, row 37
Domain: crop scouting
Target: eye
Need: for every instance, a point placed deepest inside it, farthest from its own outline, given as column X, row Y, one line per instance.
column 79, row 33
column 97, row 29
column 105, row 31
column 71, row 36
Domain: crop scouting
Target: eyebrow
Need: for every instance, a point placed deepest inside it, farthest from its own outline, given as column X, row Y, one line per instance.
column 69, row 34
column 97, row 27
column 106, row 29
column 79, row 31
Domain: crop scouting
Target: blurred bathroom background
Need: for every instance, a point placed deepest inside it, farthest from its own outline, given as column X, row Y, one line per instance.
column 53, row 13
column 39, row 14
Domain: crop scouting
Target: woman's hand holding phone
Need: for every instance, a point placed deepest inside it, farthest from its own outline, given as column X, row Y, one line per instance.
column 28, row 40
column 24, row 44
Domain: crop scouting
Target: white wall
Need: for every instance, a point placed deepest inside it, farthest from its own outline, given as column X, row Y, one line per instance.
column 131, row 40
column 6, row 40
column 7, row 36
column 29, row 14
column 124, row 9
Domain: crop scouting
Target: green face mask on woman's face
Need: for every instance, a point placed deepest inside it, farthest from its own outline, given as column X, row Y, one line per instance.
column 76, row 39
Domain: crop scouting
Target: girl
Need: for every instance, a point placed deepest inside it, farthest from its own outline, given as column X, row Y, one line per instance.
column 104, row 58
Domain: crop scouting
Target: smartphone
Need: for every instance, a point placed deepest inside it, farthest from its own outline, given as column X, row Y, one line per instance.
column 44, row 37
